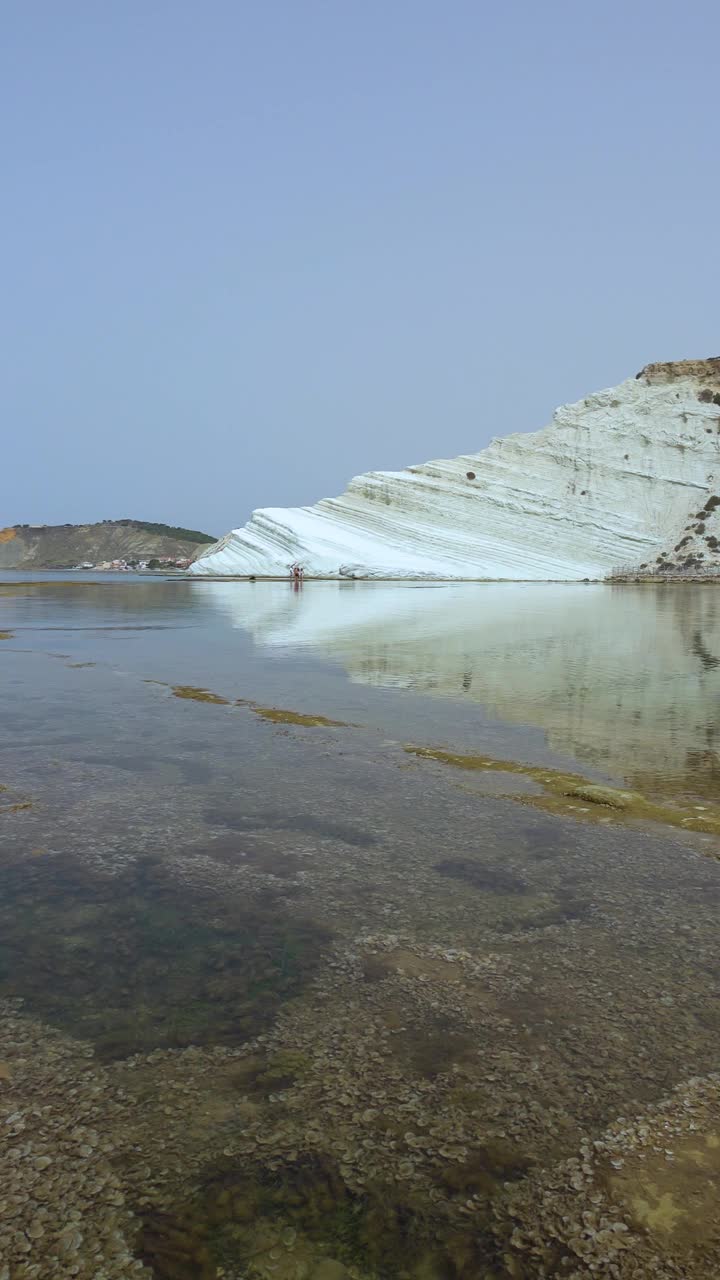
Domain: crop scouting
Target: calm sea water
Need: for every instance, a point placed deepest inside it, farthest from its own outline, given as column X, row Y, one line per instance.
column 624, row 679
column 422, row 979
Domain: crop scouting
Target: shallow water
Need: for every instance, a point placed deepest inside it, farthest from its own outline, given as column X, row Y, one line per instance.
column 340, row 991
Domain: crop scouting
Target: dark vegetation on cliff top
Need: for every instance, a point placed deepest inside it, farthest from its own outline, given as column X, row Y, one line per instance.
column 146, row 526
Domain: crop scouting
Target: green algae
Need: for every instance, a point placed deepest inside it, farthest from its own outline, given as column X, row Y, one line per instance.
column 174, row 1247
column 278, row 716
column 197, row 694
column 613, row 797
column 7, row 635
column 303, row 1219
column 572, row 795
column 432, row 1050
column 275, row 715
column 673, row 1200
column 259, row 1076
column 485, row 1169
column 483, row 762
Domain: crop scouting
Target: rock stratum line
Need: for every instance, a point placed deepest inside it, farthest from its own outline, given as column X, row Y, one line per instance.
column 616, row 480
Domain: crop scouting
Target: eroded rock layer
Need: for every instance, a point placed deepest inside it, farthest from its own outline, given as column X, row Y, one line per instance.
column 608, row 485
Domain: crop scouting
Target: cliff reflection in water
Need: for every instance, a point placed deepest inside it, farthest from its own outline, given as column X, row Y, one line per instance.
column 624, row 678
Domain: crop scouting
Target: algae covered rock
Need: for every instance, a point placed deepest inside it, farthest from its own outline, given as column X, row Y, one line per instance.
column 613, row 797
column 329, row 1269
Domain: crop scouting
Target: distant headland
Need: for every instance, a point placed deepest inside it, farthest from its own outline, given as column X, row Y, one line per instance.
column 109, row 544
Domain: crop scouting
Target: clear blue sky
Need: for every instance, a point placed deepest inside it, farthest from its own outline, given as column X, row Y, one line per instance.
column 250, row 249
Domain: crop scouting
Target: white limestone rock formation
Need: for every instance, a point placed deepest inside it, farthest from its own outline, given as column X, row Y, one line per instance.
column 612, row 482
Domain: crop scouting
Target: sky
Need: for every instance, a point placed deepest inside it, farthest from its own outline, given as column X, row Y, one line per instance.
column 251, row 248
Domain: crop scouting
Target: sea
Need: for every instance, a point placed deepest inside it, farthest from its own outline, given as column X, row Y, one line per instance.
column 358, row 930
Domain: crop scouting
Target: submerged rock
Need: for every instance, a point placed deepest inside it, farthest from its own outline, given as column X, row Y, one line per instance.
column 329, row 1269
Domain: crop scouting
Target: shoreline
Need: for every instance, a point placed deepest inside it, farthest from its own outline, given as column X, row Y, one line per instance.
column 184, row 576
column 641, row 579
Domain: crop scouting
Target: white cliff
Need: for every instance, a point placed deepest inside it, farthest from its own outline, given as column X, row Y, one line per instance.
column 614, row 480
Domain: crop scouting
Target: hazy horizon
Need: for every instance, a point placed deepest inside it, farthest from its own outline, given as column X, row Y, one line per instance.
column 250, row 251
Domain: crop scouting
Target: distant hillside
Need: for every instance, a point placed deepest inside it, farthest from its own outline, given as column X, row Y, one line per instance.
column 62, row 546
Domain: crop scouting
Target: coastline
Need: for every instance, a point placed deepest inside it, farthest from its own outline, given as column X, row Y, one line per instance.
column 616, row 580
